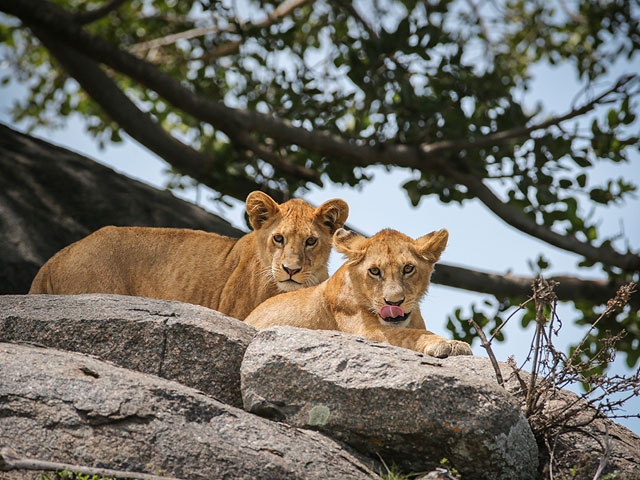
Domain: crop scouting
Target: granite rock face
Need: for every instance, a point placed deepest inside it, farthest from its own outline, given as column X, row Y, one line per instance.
column 72, row 408
column 193, row 345
column 411, row 409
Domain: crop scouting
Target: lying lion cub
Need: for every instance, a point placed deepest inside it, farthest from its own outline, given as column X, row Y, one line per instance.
column 376, row 291
column 287, row 250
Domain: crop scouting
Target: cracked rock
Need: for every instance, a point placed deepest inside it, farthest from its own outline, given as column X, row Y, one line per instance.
column 124, row 420
column 196, row 346
column 408, row 408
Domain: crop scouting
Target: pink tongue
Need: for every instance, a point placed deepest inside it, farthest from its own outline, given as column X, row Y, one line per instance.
column 391, row 311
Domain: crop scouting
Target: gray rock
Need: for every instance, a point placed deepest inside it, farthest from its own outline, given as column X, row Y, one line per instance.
column 579, row 446
column 193, row 345
column 411, row 409
column 72, row 408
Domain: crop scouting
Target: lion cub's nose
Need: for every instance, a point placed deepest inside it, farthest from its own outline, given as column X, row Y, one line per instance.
column 291, row 271
column 389, row 302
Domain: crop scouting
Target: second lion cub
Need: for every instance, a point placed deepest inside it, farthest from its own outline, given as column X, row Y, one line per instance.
column 376, row 291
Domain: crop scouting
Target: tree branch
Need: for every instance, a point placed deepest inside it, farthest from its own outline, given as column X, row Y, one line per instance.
column 139, row 48
column 140, row 125
column 218, row 115
column 503, row 286
column 271, row 157
column 349, row 8
column 84, row 18
column 55, row 20
column 629, row 262
column 519, row 132
column 228, row 48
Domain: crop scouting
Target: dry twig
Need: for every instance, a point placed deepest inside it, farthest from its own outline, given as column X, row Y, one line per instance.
column 10, row 460
column 487, row 346
column 549, row 412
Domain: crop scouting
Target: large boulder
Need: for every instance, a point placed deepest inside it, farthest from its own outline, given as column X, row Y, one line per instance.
column 578, row 445
column 408, row 408
column 72, row 408
column 193, row 345
column 51, row 197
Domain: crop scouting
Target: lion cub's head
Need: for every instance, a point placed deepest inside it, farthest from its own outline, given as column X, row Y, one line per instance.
column 390, row 272
column 294, row 239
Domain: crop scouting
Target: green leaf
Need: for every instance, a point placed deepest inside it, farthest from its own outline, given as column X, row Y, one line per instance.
column 600, row 195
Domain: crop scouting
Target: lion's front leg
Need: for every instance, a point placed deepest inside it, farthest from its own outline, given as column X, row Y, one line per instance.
column 422, row 341
column 440, row 347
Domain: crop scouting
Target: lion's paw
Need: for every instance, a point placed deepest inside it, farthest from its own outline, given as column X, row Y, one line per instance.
column 447, row 348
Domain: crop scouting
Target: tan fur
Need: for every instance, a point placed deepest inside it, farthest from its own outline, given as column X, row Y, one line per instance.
column 226, row 274
column 351, row 299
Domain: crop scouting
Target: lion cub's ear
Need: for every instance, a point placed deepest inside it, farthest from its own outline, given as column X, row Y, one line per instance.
column 431, row 246
column 333, row 214
column 350, row 244
column 261, row 209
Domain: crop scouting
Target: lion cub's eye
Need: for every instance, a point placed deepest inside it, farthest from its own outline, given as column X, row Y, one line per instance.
column 311, row 241
column 375, row 271
column 278, row 238
column 408, row 268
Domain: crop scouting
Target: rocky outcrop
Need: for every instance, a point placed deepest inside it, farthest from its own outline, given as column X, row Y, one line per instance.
column 408, row 408
column 193, row 345
column 411, row 409
column 578, row 446
column 51, row 197
column 71, row 408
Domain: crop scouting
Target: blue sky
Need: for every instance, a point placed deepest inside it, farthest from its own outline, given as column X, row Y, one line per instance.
column 477, row 238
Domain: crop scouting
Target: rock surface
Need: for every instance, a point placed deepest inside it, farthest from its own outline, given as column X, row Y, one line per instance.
column 72, row 408
column 411, row 409
column 578, row 450
column 193, row 345
column 51, row 197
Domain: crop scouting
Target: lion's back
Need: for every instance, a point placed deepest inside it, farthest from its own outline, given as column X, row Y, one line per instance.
column 140, row 261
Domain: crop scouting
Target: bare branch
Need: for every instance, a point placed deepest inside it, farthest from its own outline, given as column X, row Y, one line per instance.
column 10, row 460
column 281, row 11
column 495, row 333
column 84, row 18
column 139, row 48
column 487, row 346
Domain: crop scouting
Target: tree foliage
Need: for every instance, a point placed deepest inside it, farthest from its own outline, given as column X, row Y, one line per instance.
column 246, row 94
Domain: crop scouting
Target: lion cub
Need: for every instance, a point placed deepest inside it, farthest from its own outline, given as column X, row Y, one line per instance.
column 288, row 249
column 376, row 291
